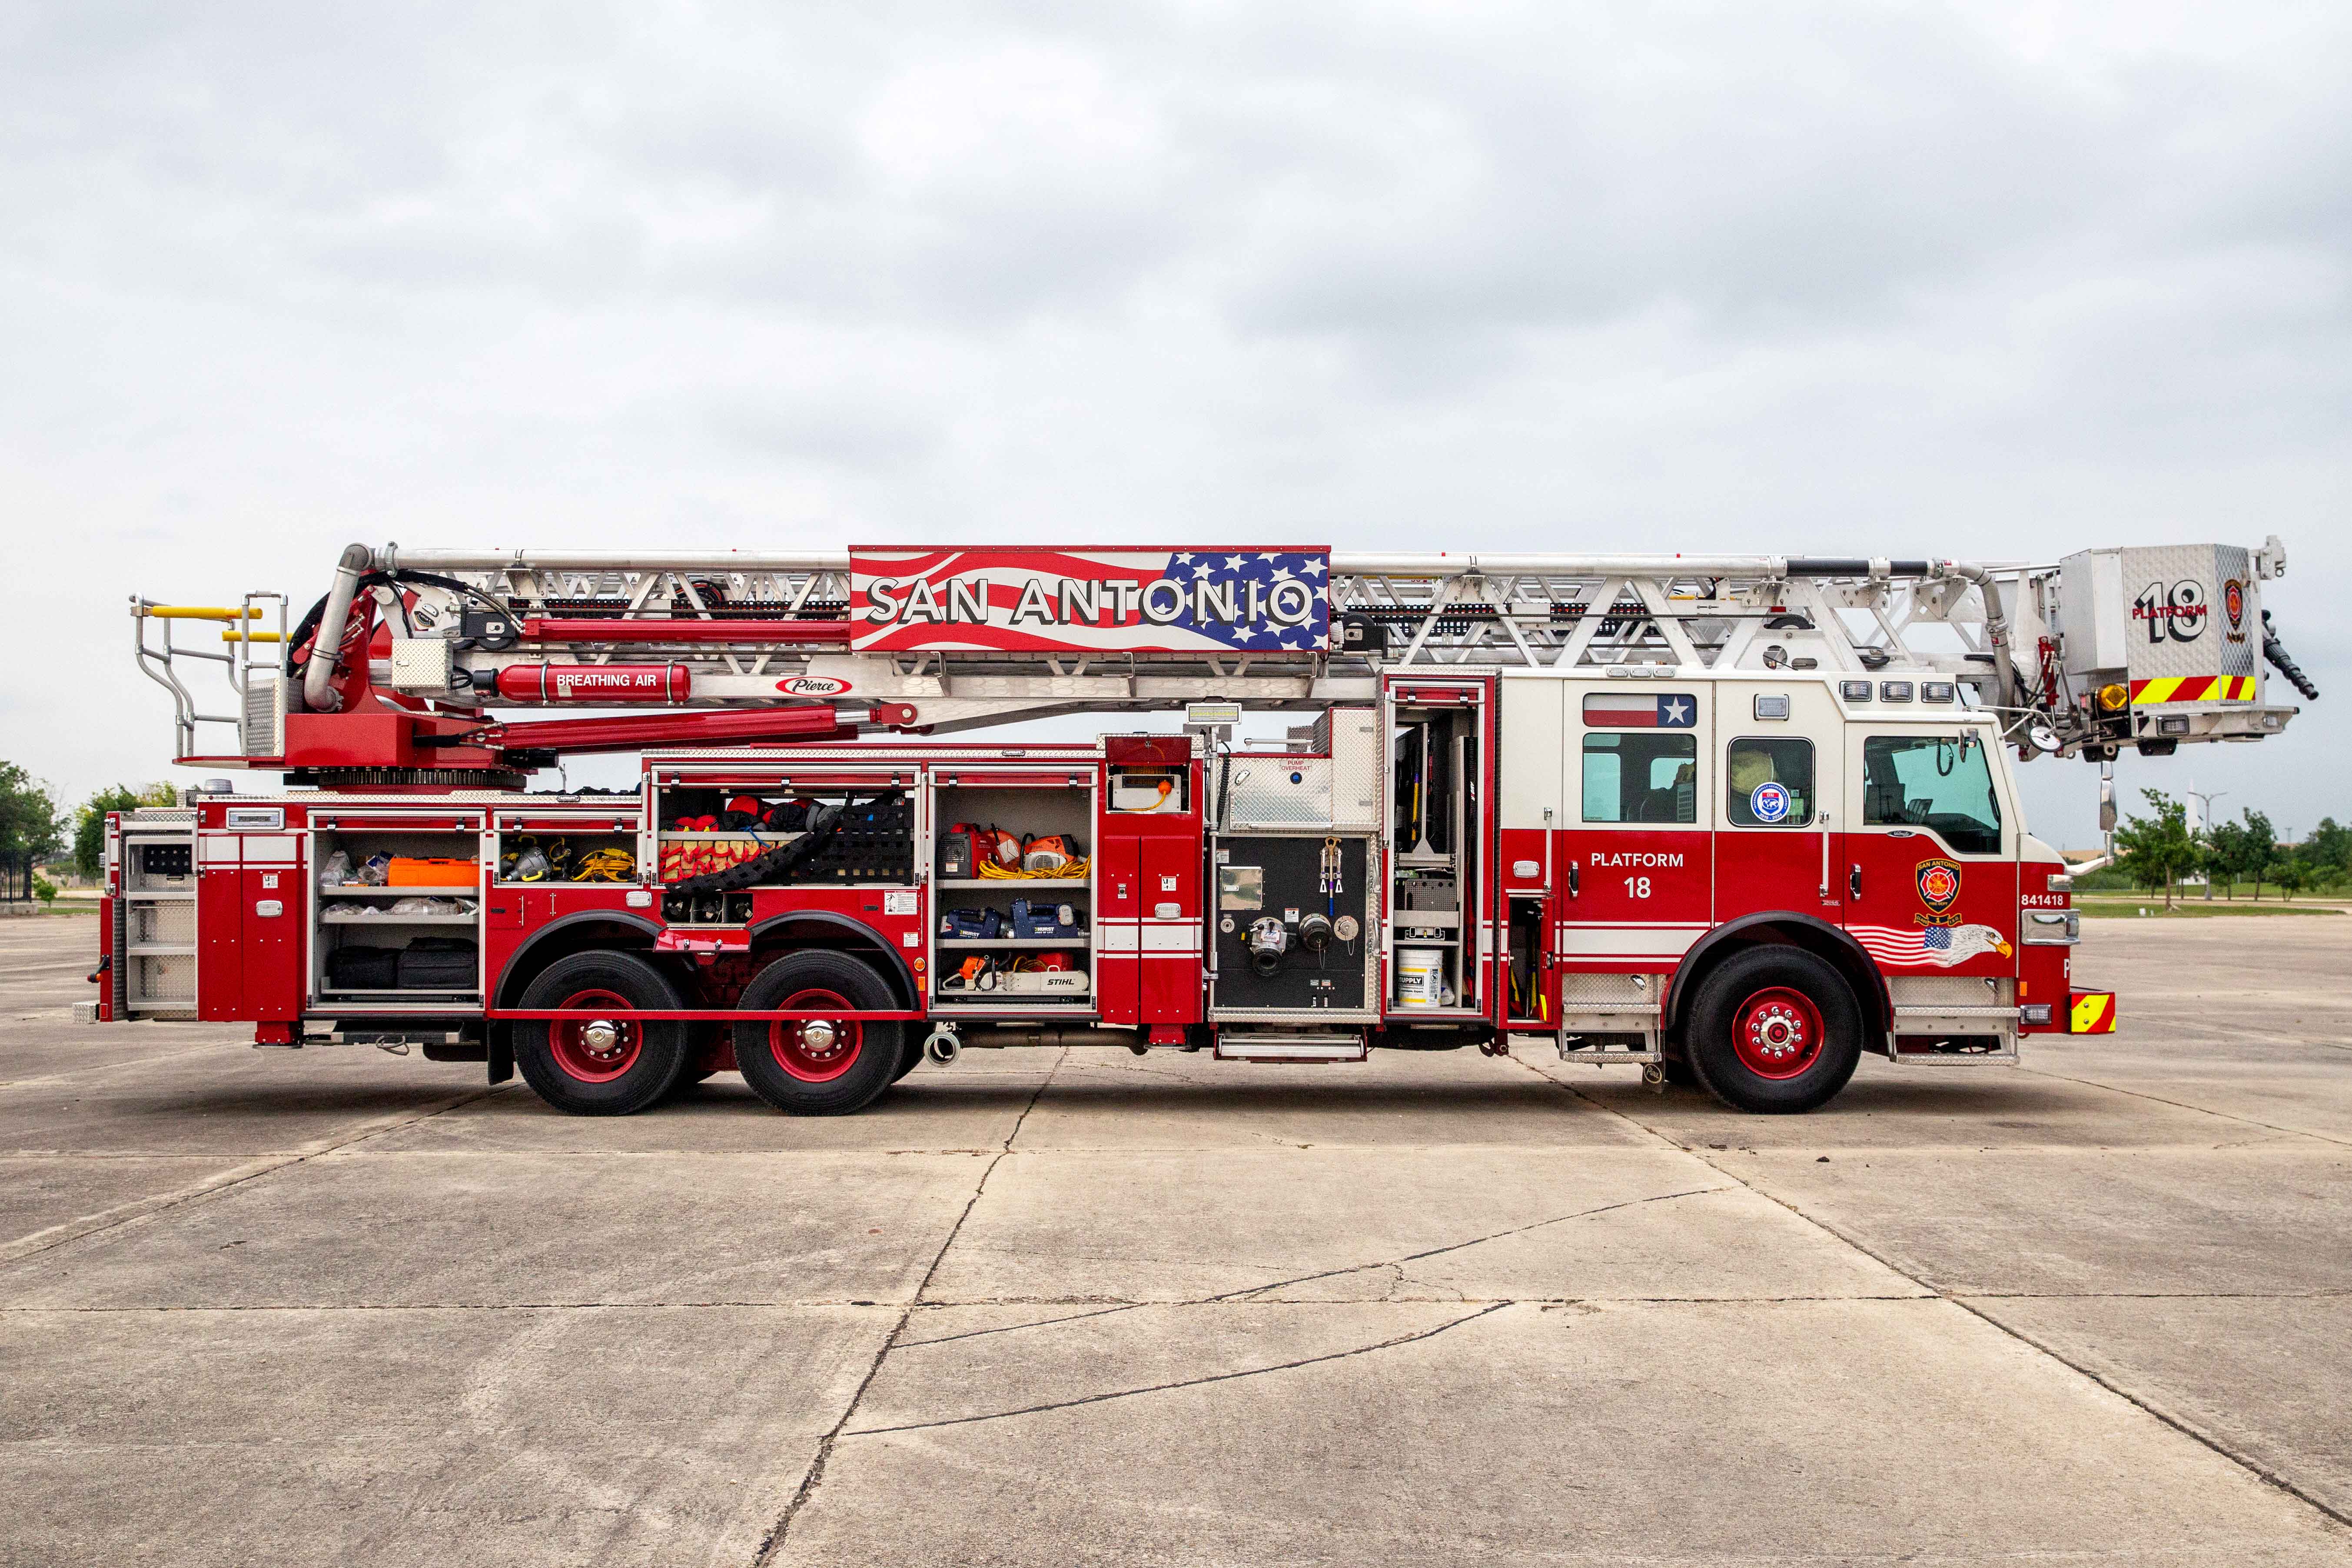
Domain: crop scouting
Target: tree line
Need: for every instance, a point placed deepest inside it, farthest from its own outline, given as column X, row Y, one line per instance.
column 2155, row 851
column 35, row 830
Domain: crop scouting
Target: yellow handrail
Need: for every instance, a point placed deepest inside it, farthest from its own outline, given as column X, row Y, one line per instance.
column 199, row 612
column 232, row 635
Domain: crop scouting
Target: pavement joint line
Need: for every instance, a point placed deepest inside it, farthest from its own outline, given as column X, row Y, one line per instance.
column 1245, row 1293
column 47, row 1238
column 2184, row 1105
column 2246, row 1462
column 773, row 1541
column 1190, row 1382
column 826, row 1303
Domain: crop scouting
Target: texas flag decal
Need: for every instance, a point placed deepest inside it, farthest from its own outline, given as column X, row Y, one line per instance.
column 1640, row 710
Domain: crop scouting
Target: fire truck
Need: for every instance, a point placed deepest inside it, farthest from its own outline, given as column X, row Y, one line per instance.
column 1735, row 819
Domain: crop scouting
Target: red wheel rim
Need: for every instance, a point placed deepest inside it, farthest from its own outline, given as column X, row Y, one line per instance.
column 815, row 1050
column 1777, row 1032
column 596, row 1050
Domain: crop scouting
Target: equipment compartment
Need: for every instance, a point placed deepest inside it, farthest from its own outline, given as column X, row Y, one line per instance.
column 1022, row 931
column 724, row 840
column 427, row 896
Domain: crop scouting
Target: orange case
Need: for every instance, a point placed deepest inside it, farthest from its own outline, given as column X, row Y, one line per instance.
column 412, row 872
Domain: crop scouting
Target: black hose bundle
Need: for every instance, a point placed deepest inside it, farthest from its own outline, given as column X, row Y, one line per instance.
column 2275, row 651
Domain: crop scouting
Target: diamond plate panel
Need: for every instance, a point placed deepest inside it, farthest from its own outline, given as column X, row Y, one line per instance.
column 1608, row 990
column 2176, row 620
column 420, row 663
column 1280, row 791
column 1948, row 991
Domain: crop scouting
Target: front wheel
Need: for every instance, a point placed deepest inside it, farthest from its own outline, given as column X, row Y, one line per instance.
column 826, row 1065
column 608, row 1062
column 1775, row 1029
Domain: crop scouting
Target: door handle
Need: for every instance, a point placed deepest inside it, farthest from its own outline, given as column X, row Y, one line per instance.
column 1854, row 883
column 1572, row 878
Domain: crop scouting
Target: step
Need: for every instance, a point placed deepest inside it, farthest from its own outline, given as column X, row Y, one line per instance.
column 1234, row 1047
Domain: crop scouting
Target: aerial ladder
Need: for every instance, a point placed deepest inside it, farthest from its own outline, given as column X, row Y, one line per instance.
column 443, row 652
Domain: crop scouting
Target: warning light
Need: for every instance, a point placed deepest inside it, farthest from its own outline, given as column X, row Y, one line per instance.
column 2114, row 695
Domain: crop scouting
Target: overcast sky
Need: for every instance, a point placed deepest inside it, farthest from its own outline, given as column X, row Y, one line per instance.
column 2000, row 280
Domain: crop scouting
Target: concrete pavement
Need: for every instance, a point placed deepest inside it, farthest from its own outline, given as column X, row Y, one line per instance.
column 261, row 1307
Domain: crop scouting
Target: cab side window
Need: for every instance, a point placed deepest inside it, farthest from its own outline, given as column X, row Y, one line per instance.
column 1940, row 783
column 1769, row 783
column 1630, row 777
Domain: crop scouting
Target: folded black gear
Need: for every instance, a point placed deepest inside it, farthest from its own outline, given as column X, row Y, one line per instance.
column 439, row 962
column 363, row 968
column 774, row 865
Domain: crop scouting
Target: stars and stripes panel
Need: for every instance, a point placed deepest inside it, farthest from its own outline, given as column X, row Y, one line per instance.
column 1091, row 601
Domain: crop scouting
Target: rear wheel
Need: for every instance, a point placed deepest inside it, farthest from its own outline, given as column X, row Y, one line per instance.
column 910, row 1056
column 608, row 1063
column 827, row 1064
column 1774, row 1029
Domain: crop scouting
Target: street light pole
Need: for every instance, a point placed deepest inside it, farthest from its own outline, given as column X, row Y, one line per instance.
column 2205, row 816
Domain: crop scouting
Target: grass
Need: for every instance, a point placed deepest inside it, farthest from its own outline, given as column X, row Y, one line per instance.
column 2195, row 909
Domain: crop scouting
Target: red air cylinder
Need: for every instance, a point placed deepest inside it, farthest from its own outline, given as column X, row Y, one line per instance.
column 595, row 682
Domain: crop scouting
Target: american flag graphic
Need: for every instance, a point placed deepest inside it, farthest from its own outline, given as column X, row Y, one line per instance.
column 1087, row 601
column 1937, row 947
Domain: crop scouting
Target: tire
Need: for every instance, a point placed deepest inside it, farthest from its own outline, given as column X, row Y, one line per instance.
column 804, row 1078
column 701, row 1036
column 910, row 1056
column 687, row 1082
column 1775, row 1030
column 571, row 1065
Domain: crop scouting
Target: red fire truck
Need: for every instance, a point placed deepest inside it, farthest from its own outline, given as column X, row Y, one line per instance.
column 1735, row 819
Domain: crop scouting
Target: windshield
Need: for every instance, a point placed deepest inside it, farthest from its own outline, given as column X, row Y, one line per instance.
column 1941, row 783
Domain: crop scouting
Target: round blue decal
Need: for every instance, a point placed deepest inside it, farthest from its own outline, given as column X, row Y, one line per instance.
column 1769, row 802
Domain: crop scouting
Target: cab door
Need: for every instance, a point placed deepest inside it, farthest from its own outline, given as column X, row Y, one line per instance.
column 1931, row 858
column 1780, row 760
column 1633, row 884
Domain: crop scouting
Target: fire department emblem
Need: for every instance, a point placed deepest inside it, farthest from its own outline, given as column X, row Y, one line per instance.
column 1939, row 887
column 2233, row 607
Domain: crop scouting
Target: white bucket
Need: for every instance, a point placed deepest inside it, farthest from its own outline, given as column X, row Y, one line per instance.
column 1420, row 976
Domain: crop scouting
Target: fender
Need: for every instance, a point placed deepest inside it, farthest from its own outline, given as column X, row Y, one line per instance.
column 507, row 991
column 1842, row 949
column 908, row 991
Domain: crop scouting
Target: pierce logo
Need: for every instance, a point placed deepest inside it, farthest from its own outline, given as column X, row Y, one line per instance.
column 811, row 686
column 1939, row 887
column 2233, row 607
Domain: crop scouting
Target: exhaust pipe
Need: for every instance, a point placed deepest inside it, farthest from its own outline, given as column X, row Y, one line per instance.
column 942, row 1046
column 327, row 640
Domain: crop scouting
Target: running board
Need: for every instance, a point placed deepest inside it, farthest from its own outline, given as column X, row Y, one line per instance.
column 1240, row 1048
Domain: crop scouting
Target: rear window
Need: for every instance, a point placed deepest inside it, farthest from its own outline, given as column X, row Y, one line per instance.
column 1769, row 783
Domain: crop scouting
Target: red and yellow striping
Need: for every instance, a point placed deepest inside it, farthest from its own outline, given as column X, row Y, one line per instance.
column 2091, row 1012
column 2195, row 689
